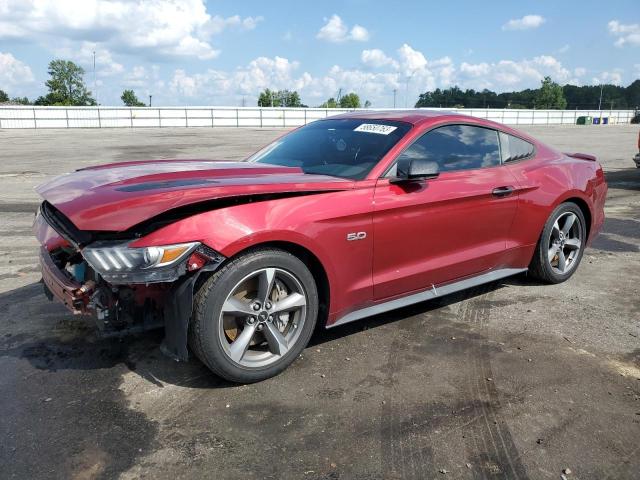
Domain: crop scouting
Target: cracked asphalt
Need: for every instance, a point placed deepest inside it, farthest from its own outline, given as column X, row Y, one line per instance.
column 512, row 380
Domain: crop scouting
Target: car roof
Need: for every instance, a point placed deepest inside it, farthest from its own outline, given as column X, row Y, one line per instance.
column 413, row 116
column 422, row 116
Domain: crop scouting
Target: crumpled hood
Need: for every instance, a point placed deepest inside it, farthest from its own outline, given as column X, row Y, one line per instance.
column 117, row 196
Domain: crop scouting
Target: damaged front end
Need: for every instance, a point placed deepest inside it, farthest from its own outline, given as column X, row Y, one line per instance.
column 127, row 289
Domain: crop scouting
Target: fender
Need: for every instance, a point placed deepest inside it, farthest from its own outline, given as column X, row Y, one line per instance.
column 308, row 221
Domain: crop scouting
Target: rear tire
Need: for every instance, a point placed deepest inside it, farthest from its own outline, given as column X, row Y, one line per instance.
column 561, row 245
column 254, row 316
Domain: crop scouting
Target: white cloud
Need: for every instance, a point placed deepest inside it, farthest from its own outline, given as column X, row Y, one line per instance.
column 510, row 74
column 625, row 34
column 564, row 49
column 106, row 66
column 145, row 79
column 359, row 33
column 411, row 60
column 525, row 23
column 158, row 27
column 336, row 31
column 261, row 73
column 614, row 77
column 408, row 71
column 218, row 24
column 13, row 72
column 475, row 70
column 376, row 58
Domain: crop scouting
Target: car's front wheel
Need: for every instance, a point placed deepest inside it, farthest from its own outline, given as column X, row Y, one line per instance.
column 254, row 316
column 561, row 244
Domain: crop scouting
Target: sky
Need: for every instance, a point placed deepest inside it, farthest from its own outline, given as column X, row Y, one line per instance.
column 200, row 52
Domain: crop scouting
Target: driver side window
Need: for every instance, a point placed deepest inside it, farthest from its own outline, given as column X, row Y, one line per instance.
column 456, row 147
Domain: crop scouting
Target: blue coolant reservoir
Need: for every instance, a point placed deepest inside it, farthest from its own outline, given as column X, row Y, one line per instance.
column 79, row 271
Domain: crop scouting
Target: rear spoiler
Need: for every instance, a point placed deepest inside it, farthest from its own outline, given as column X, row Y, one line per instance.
column 581, row 156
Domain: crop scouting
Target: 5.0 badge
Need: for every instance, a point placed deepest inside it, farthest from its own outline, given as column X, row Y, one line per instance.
column 356, row 236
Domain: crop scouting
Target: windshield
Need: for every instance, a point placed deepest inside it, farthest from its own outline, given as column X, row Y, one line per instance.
column 347, row 148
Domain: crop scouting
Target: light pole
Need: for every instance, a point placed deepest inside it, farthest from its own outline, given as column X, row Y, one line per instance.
column 406, row 89
column 394, row 97
column 95, row 90
column 600, row 102
column 150, row 96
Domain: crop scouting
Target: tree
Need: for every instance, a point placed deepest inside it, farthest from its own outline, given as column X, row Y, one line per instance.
column 280, row 98
column 21, row 100
column 550, row 95
column 331, row 103
column 3, row 96
column 350, row 100
column 585, row 97
column 130, row 100
column 367, row 104
column 266, row 98
column 66, row 85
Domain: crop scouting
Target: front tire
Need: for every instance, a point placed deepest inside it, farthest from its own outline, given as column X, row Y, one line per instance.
column 561, row 245
column 254, row 316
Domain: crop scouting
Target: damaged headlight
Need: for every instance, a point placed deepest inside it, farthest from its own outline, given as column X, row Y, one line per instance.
column 118, row 263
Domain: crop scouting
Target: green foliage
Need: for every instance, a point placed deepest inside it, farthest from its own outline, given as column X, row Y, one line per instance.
column 129, row 98
column 585, row 97
column 350, row 100
column 21, row 100
column 331, row 103
column 66, row 85
column 550, row 95
column 280, row 98
column 4, row 98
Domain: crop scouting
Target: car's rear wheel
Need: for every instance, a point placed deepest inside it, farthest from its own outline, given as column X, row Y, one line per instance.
column 561, row 245
column 254, row 316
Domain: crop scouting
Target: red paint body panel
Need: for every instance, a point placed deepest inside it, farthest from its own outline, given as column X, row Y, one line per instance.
column 434, row 232
column 419, row 234
column 116, row 197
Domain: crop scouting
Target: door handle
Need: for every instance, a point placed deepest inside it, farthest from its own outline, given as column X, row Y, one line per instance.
column 502, row 191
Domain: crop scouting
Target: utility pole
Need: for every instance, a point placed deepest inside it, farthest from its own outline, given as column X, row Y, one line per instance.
column 95, row 90
column 150, row 96
column 406, row 89
column 600, row 102
column 394, row 97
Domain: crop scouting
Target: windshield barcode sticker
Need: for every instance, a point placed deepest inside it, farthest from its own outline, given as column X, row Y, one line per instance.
column 375, row 128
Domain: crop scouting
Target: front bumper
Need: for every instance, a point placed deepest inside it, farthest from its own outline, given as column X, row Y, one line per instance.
column 70, row 293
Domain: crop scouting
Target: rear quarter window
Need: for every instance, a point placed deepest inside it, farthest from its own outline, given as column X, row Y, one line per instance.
column 513, row 148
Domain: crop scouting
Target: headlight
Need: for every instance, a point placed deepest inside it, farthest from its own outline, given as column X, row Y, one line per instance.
column 118, row 263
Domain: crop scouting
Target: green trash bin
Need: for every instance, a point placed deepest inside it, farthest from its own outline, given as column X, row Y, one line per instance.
column 584, row 120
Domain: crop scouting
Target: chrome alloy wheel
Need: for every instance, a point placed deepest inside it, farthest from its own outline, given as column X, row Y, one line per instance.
column 565, row 242
column 262, row 317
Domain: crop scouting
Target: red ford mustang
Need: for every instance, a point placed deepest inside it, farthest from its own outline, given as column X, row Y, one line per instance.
column 338, row 220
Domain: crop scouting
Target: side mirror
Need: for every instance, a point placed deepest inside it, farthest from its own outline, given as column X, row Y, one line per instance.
column 408, row 169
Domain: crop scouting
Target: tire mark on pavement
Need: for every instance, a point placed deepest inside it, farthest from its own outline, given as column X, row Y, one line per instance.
column 404, row 455
column 493, row 453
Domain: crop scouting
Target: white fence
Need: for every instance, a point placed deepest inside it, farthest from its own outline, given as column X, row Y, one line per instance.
column 125, row 117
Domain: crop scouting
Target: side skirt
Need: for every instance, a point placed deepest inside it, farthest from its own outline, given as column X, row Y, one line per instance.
column 433, row 292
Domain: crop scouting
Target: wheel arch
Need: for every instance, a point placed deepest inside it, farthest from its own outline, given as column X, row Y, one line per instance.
column 583, row 205
column 311, row 260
